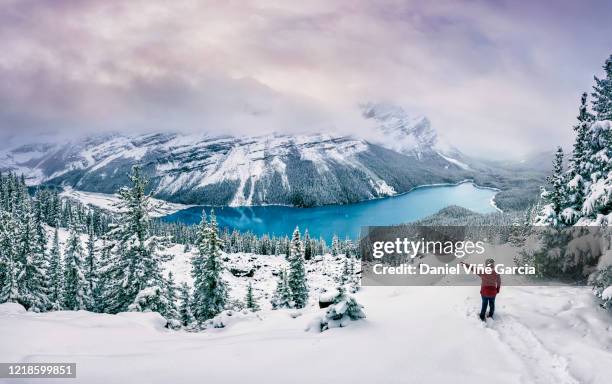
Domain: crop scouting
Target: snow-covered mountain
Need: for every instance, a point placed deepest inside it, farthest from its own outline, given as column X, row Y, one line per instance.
column 399, row 130
column 303, row 170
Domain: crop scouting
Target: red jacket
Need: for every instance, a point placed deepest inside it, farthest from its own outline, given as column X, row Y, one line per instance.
column 490, row 283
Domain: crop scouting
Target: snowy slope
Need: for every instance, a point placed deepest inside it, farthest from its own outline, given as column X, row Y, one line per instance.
column 554, row 335
column 411, row 335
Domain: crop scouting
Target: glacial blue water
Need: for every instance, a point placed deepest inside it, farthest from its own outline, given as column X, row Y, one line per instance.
column 344, row 220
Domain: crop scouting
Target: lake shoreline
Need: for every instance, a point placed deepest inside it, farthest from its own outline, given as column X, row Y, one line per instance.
column 492, row 201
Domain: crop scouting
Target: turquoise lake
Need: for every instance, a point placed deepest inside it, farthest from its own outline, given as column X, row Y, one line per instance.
column 344, row 220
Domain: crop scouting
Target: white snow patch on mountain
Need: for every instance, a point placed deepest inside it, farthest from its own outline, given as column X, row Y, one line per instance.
column 458, row 163
column 108, row 202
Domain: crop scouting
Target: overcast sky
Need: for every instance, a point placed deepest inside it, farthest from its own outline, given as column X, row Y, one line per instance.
column 493, row 76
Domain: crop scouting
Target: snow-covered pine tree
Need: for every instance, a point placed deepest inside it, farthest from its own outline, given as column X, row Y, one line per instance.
column 602, row 93
column 579, row 175
column 297, row 272
column 76, row 289
column 210, row 290
column 251, row 302
column 335, row 246
column 197, row 261
column 102, row 294
column 308, row 251
column 556, row 197
column 56, row 274
column 281, row 298
column 90, row 266
column 31, row 257
column 40, row 235
column 9, row 265
column 557, row 182
column 185, row 315
column 135, row 275
column 172, row 310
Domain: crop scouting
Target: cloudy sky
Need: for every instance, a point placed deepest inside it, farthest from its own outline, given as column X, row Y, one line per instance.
column 493, row 76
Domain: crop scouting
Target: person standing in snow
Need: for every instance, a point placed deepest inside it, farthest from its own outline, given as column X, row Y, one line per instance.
column 490, row 283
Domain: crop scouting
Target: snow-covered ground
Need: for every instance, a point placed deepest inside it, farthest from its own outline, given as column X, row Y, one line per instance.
column 411, row 335
column 108, row 202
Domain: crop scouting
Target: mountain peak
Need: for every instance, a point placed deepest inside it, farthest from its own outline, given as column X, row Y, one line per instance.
column 399, row 130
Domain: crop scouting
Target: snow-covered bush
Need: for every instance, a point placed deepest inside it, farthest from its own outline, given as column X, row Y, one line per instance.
column 602, row 280
column 345, row 309
column 151, row 299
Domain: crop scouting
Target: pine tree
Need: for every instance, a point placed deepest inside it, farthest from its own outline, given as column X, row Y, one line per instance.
column 185, row 315
column 557, row 182
column 579, row 173
column 76, row 288
column 308, row 251
column 9, row 266
column 557, row 196
column 136, row 265
column 335, row 246
column 602, row 93
column 250, row 301
column 103, row 290
column 282, row 295
column 210, row 290
column 90, row 266
column 56, row 274
column 297, row 272
column 31, row 280
column 171, row 311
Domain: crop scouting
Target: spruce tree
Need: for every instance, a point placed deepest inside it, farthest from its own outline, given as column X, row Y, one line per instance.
column 9, row 265
column 210, row 290
column 335, row 246
column 579, row 172
column 297, row 272
column 251, row 302
column 32, row 259
column 135, row 274
column 56, row 274
column 76, row 289
column 90, row 266
column 282, row 295
column 103, row 290
column 308, row 251
column 185, row 315
column 602, row 93
column 556, row 196
column 172, row 310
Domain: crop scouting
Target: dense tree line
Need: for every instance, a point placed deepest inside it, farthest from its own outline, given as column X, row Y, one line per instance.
column 581, row 194
column 113, row 262
column 32, row 271
column 247, row 242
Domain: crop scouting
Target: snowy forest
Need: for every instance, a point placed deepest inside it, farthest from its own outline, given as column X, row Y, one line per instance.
column 580, row 192
column 113, row 263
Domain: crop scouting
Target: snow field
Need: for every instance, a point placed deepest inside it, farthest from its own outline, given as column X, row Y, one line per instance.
column 552, row 334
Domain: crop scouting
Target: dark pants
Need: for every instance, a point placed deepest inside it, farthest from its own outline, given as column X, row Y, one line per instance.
column 490, row 301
